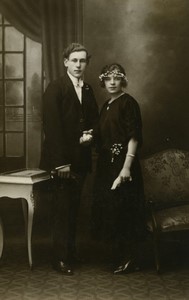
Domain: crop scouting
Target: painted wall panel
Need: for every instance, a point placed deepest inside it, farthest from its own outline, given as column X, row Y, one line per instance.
column 150, row 38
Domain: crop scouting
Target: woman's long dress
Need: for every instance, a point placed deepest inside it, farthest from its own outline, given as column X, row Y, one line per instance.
column 118, row 215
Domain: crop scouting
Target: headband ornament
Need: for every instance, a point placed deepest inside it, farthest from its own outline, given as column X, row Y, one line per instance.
column 115, row 73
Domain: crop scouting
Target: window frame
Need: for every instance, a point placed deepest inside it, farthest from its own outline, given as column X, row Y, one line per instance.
column 12, row 162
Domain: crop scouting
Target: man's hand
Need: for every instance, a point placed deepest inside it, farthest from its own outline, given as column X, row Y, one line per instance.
column 86, row 138
column 64, row 172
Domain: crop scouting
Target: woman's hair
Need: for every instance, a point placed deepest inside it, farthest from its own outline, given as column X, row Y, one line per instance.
column 115, row 69
column 75, row 47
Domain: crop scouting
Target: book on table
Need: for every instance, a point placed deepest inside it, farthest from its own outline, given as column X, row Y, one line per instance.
column 24, row 176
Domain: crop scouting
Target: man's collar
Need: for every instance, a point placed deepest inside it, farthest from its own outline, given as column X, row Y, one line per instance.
column 75, row 81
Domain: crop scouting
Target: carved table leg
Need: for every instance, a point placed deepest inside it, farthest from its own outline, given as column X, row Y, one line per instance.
column 30, row 224
column 1, row 238
column 28, row 210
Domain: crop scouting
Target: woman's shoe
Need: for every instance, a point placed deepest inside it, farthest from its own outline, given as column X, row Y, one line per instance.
column 126, row 267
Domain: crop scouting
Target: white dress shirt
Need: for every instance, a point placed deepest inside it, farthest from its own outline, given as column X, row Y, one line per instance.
column 78, row 84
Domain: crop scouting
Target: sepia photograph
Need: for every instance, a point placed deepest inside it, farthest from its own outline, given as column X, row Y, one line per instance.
column 94, row 149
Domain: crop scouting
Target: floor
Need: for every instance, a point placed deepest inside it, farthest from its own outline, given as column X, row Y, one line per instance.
column 92, row 280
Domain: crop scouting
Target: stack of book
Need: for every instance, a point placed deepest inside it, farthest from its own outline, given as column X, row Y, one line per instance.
column 27, row 176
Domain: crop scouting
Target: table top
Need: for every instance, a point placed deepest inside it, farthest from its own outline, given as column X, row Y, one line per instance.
column 24, row 176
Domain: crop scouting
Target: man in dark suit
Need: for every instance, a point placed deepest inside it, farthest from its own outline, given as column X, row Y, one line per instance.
column 70, row 114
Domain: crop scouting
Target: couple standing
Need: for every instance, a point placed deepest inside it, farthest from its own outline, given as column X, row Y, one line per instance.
column 71, row 125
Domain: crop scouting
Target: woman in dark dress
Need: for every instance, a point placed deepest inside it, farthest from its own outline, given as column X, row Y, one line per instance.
column 117, row 209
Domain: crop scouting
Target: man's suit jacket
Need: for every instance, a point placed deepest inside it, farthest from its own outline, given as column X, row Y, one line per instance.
column 64, row 119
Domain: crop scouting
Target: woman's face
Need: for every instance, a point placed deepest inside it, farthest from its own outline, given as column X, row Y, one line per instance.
column 113, row 84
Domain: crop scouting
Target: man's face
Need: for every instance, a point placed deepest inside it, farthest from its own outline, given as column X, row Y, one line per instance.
column 76, row 63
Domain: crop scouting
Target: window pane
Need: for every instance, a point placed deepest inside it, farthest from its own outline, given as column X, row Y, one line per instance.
column 1, row 144
column 1, row 118
column 1, row 92
column 14, row 66
column 14, row 119
column 0, row 65
column 14, row 94
column 6, row 22
column 33, row 59
column 34, row 69
column 34, row 95
column 14, row 144
column 0, row 38
column 14, row 40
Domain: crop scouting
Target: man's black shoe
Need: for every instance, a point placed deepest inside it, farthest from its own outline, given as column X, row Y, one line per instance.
column 62, row 268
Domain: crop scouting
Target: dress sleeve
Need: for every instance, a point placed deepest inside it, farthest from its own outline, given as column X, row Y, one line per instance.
column 133, row 120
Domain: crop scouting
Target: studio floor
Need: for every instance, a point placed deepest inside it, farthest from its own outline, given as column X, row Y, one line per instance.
column 93, row 279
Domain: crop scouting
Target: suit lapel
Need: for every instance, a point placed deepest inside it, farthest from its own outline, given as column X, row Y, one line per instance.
column 72, row 93
column 71, row 90
column 85, row 90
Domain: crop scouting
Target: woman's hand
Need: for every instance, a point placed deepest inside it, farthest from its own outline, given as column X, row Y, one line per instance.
column 124, row 175
column 116, row 183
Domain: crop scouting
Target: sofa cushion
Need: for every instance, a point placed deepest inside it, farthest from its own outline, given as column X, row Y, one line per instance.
column 172, row 219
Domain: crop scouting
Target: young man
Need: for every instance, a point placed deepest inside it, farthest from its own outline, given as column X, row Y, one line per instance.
column 70, row 114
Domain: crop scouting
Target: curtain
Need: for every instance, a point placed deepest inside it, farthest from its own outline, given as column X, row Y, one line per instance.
column 53, row 23
column 24, row 15
column 59, row 28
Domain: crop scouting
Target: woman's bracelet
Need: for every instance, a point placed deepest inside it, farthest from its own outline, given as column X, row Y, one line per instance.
column 131, row 155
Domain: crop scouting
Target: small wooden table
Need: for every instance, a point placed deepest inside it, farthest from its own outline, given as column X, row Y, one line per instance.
column 20, row 184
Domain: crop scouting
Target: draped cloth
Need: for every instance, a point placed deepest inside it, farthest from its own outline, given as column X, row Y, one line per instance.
column 53, row 23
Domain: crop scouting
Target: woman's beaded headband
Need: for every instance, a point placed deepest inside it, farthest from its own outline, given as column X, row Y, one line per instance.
column 115, row 73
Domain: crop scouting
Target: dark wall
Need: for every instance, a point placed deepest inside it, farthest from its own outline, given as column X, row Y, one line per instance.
column 151, row 39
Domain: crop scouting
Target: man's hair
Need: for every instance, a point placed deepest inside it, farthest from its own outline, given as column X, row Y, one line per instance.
column 75, row 47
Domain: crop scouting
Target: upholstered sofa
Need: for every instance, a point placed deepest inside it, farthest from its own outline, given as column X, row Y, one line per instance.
column 166, row 187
